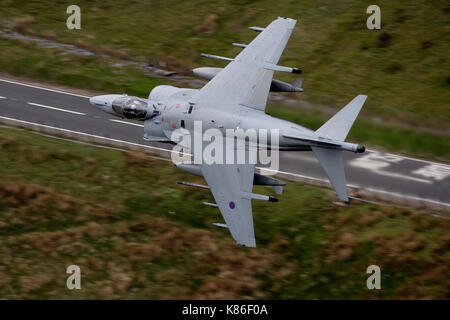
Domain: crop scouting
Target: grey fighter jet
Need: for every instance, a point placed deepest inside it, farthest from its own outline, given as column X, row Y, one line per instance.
column 236, row 97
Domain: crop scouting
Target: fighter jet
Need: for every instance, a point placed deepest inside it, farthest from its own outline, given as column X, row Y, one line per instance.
column 236, row 97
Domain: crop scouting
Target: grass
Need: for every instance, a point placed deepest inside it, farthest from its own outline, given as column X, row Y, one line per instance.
column 135, row 233
column 90, row 72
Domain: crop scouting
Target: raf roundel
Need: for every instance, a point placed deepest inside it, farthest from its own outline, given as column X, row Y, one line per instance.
column 232, row 205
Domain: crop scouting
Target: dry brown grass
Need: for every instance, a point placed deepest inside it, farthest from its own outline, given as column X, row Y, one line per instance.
column 24, row 25
column 174, row 64
column 34, row 282
column 210, row 24
column 8, row 143
column 343, row 247
column 151, row 256
column 136, row 158
column 229, row 272
column 123, row 54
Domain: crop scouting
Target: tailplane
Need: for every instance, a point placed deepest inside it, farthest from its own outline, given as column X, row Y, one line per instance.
column 339, row 125
column 331, row 159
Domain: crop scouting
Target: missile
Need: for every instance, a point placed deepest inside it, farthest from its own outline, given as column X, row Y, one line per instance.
column 277, row 85
column 258, row 179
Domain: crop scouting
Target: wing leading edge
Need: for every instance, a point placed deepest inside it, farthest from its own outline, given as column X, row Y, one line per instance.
column 247, row 79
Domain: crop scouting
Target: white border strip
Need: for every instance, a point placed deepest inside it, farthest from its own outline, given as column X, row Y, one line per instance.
column 86, row 134
column 47, row 89
column 126, row 122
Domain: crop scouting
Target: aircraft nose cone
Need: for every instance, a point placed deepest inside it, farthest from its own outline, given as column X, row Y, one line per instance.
column 360, row 149
column 103, row 100
column 94, row 101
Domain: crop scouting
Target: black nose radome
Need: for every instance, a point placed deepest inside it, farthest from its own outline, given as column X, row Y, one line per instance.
column 360, row 149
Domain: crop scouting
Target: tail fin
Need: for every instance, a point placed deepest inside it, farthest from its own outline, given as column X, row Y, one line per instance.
column 339, row 125
column 330, row 159
column 333, row 164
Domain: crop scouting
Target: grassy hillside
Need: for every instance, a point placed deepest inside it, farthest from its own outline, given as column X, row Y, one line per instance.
column 403, row 67
column 135, row 233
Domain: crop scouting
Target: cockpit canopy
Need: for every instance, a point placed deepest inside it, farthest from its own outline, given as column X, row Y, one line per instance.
column 131, row 107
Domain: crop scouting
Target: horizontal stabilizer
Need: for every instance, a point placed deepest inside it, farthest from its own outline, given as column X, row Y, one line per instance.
column 332, row 163
column 339, row 125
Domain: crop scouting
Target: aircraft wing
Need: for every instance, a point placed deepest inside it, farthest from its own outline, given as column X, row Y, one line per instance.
column 231, row 186
column 246, row 80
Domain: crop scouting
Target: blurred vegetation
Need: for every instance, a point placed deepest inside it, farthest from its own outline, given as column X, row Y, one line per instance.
column 403, row 68
column 135, row 233
column 84, row 72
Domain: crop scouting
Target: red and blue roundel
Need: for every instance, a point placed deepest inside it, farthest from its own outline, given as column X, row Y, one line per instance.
column 232, row 205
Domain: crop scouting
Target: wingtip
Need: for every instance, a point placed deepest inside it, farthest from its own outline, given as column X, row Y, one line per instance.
column 251, row 243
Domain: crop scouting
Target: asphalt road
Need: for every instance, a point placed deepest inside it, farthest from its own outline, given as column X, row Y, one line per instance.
column 384, row 174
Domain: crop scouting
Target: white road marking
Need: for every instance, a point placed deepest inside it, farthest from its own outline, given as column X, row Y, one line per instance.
column 403, row 157
column 53, row 108
column 272, row 172
column 376, row 162
column 434, row 171
column 86, row 134
column 405, row 196
column 42, row 88
column 126, row 122
column 282, row 172
column 2, row 97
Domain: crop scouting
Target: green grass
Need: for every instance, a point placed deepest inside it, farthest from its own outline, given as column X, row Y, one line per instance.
column 135, row 233
column 406, row 76
column 54, row 66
